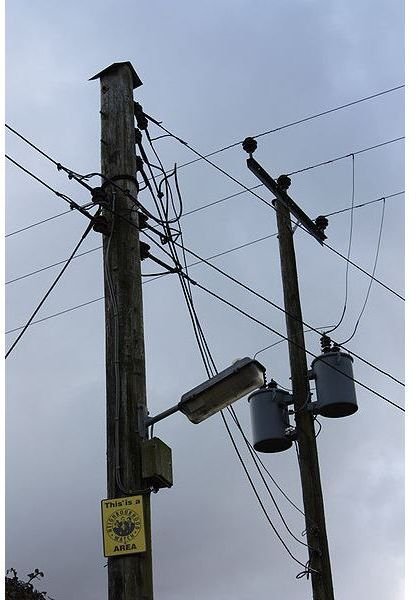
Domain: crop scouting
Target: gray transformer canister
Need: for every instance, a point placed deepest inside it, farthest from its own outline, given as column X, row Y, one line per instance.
column 270, row 419
column 335, row 392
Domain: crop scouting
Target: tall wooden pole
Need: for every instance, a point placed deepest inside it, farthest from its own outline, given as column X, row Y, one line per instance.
column 308, row 457
column 130, row 576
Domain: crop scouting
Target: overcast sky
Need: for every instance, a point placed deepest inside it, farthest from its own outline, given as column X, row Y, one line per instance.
column 214, row 72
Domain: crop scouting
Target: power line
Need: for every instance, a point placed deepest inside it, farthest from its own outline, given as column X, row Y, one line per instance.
column 202, row 260
column 298, row 122
column 234, row 144
column 252, row 291
column 61, row 312
column 371, row 280
column 67, row 199
column 380, row 199
column 67, row 212
column 262, row 199
column 50, row 266
column 201, row 340
column 54, row 283
column 350, row 238
column 332, row 160
column 253, row 319
column 269, row 205
column 275, row 305
column 246, row 188
column 210, row 292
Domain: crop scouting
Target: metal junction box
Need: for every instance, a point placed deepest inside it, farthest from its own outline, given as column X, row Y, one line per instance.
column 157, row 466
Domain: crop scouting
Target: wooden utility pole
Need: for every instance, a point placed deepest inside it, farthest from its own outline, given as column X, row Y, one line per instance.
column 129, row 576
column 319, row 561
column 316, row 534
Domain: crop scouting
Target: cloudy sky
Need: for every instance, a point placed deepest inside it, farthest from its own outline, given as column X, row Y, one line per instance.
column 214, row 72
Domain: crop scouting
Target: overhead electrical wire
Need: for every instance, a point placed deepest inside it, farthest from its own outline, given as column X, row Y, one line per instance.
column 249, row 289
column 251, row 318
column 69, row 200
column 268, row 301
column 371, row 280
column 380, row 199
column 350, row 238
column 67, row 212
column 52, row 286
column 363, row 204
column 259, row 197
column 236, row 308
column 64, row 197
column 194, row 282
column 50, row 266
column 245, row 189
column 252, row 291
column 333, row 160
column 205, row 352
column 169, row 133
column 293, row 123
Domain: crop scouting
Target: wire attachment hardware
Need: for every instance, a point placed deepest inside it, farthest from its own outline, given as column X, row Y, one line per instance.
column 249, row 145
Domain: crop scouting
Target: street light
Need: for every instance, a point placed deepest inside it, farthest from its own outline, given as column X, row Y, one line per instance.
column 231, row 384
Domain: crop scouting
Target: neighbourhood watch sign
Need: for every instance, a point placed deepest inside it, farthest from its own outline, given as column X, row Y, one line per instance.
column 123, row 526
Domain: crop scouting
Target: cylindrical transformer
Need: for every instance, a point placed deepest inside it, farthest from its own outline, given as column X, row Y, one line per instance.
column 270, row 419
column 335, row 392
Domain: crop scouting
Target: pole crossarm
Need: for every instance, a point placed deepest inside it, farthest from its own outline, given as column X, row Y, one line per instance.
column 282, row 196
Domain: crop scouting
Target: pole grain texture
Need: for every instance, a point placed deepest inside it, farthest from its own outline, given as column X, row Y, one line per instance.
column 319, row 559
column 129, row 576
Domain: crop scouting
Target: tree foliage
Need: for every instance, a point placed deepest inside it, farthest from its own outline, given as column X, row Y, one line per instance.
column 16, row 589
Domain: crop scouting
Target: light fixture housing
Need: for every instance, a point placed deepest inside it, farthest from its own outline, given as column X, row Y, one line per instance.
column 231, row 384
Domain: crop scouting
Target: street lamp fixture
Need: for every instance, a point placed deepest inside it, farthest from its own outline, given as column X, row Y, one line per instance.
column 218, row 392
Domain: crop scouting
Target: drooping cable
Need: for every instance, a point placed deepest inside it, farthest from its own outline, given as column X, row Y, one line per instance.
column 252, row 291
column 210, row 365
column 350, row 238
column 371, row 280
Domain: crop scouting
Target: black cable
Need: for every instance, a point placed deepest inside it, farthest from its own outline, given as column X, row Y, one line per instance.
column 266, row 327
column 275, row 305
column 287, row 125
column 50, row 266
column 62, row 312
column 59, row 194
column 320, row 426
column 252, row 291
column 199, row 285
column 67, row 212
column 262, row 199
column 253, row 455
column 54, row 283
column 251, row 190
column 328, row 162
column 389, row 289
column 350, row 238
column 207, row 357
column 256, row 493
column 293, row 123
column 380, row 199
column 371, row 281
column 283, row 310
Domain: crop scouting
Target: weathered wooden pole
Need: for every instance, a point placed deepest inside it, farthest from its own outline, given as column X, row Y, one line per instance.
column 130, row 576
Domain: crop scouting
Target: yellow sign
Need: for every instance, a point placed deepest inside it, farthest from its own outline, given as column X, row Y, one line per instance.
column 123, row 526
